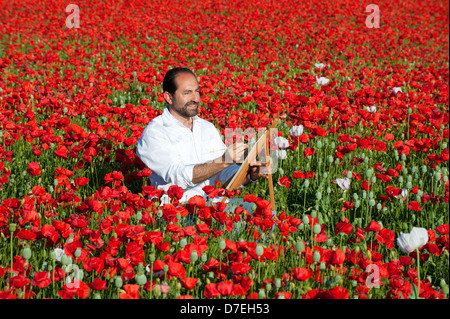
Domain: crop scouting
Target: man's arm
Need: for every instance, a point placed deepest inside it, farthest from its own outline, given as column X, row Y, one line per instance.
column 234, row 154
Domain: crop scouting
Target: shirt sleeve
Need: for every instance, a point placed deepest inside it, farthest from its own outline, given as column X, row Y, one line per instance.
column 157, row 152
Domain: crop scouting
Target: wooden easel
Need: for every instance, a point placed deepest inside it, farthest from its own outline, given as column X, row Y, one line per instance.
column 240, row 175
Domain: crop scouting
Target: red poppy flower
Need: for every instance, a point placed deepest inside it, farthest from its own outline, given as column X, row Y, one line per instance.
column 131, row 292
column 98, row 284
column 189, row 282
column 225, row 288
column 309, row 151
column 34, row 169
column 42, row 279
column 211, row 291
column 413, row 205
column 301, row 274
column 347, row 205
column 284, row 181
column 298, row 174
column 442, row 229
column 373, row 226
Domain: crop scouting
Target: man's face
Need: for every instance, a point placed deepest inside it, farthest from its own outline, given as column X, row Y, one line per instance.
column 186, row 99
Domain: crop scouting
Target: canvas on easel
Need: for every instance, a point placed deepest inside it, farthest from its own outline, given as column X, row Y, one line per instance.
column 238, row 178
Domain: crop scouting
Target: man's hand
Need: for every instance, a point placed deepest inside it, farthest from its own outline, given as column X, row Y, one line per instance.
column 254, row 171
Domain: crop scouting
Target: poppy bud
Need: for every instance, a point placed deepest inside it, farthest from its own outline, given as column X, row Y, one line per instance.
column 157, row 290
column 12, row 228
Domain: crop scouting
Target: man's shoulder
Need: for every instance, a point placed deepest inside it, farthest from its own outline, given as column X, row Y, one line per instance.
column 206, row 124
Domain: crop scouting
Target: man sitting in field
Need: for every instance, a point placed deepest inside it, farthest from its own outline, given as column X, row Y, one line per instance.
column 182, row 149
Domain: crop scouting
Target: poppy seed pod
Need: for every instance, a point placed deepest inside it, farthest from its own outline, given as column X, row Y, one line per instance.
column 77, row 252
column 118, row 282
column 12, row 228
column 141, row 279
column 166, row 268
column 194, row 256
column 305, row 220
column 316, row 256
column 26, row 253
column 261, row 294
column 183, row 243
column 222, row 244
column 138, row 216
column 204, row 258
column 322, row 266
column 277, row 283
column 299, row 246
column 259, row 250
column 317, row 229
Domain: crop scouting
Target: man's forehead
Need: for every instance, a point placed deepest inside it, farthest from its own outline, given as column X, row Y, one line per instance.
column 185, row 79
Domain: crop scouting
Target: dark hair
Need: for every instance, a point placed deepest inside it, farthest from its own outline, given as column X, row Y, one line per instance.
column 169, row 83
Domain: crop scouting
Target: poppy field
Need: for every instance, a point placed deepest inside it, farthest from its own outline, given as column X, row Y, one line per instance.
column 362, row 148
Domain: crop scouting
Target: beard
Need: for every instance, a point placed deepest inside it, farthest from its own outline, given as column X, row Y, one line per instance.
column 188, row 112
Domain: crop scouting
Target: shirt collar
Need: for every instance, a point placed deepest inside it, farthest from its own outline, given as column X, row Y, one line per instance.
column 169, row 120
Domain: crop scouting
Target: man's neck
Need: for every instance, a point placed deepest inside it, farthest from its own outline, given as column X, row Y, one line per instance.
column 186, row 121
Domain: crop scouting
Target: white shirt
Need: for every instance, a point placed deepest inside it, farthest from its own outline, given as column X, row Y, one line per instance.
column 171, row 151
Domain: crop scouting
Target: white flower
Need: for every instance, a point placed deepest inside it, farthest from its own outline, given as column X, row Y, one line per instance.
column 322, row 80
column 371, row 109
column 319, row 65
column 281, row 142
column 409, row 242
column 281, row 154
column 397, row 89
column 343, row 183
column 296, row 130
column 403, row 194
